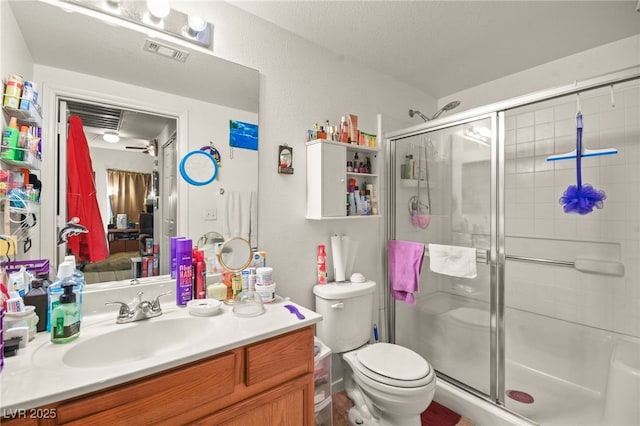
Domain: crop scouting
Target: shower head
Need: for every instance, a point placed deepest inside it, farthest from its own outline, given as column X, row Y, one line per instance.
column 414, row 112
column 447, row 107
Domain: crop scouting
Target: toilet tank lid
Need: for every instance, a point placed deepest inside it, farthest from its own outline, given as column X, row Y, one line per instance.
column 343, row 290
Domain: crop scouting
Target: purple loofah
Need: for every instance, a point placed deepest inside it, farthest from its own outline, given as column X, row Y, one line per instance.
column 582, row 200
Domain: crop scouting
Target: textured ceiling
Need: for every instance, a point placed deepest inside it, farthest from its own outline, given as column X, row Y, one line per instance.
column 442, row 47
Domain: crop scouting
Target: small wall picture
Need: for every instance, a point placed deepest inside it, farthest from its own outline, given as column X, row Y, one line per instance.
column 285, row 160
column 243, row 135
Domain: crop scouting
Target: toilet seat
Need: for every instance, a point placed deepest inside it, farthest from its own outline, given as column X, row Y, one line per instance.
column 394, row 365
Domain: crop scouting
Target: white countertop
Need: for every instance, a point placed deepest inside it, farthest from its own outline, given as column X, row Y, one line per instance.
column 37, row 375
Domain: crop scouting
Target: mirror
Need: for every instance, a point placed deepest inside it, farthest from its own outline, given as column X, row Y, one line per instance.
column 235, row 254
column 202, row 94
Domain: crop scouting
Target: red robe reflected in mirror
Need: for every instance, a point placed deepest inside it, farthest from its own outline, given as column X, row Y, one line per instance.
column 82, row 201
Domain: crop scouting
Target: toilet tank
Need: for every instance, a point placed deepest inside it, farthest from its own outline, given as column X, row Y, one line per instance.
column 347, row 314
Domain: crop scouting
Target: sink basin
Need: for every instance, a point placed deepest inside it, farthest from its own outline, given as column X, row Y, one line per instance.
column 136, row 341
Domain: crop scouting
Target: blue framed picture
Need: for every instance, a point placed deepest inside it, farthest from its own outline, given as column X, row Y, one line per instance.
column 243, row 135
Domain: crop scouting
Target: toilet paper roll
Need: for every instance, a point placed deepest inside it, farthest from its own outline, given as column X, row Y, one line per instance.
column 338, row 258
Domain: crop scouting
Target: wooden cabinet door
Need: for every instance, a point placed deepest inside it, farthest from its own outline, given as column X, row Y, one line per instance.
column 290, row 404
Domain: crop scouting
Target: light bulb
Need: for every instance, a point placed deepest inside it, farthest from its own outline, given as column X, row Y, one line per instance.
column 159, row 9
column 110, row 136
column 196, row 23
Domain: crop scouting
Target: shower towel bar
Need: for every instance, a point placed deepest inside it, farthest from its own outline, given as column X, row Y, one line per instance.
column 482, row 255
column 582, row 264
column 593, row 266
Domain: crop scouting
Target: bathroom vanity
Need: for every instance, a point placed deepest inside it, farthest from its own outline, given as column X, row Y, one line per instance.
column 173, row 369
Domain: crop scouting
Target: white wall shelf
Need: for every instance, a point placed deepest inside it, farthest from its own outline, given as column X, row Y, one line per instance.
column 328, row 178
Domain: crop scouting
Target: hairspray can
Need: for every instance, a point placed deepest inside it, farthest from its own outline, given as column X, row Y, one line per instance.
column 184, row 272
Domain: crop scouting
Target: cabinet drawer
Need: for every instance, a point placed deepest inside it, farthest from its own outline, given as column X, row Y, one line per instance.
column 149, row 401
column 282, row 358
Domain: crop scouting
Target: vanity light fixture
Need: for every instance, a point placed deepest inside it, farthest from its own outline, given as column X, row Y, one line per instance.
column 156, row 15
column 481, row 135
column 111, row 136
column 158, row 9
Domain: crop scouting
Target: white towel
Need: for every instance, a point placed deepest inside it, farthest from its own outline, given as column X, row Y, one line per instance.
column 240, row 216
column 453, row 260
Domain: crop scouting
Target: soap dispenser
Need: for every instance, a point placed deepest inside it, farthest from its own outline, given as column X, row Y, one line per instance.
column 66, row 317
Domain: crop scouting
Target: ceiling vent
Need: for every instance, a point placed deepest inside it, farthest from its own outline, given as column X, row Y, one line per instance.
column 98, row 116
column 165, row 50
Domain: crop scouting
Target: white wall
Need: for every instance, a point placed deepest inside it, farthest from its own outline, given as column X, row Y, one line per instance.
column 301, row 84
column 591, row 63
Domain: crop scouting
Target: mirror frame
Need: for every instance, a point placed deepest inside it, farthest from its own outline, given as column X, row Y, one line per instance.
column 227, row 267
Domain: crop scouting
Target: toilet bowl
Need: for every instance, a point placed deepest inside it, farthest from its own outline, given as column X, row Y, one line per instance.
column 389, row 385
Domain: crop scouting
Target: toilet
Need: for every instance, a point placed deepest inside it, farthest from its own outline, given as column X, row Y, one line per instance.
column 389, row 384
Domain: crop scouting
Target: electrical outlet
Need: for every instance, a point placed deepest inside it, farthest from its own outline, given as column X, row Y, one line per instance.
column 211, row 214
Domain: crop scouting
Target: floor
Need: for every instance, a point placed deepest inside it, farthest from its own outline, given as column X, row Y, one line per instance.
column 435, row 415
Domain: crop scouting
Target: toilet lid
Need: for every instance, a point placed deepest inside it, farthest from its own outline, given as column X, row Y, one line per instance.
column 394, row 364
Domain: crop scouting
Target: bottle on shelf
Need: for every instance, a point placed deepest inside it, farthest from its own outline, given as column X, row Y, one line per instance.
column 344, row 130
column 13, row 91
column 23, row 137
column 10, row 138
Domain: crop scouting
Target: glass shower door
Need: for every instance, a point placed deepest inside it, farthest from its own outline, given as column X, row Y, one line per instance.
column 442, row 190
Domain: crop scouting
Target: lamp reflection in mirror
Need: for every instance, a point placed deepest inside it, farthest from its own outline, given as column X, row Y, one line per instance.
column 111, row 136
column 156, row 15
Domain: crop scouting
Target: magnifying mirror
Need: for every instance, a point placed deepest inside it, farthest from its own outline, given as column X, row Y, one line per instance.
column 235, row 254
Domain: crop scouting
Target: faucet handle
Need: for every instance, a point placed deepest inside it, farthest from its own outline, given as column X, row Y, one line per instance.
column 124, row 308
column 155, row 304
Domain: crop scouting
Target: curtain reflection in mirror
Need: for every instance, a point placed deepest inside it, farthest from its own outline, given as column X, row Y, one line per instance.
column 127, row 193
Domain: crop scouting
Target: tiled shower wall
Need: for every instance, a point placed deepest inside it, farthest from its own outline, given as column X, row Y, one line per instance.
column 537, row 226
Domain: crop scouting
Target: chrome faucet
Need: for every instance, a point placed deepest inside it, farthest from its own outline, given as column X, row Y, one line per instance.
column 139, row 310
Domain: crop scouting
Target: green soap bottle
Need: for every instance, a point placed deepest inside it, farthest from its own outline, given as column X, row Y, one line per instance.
column 65, row 318
column 10, row 137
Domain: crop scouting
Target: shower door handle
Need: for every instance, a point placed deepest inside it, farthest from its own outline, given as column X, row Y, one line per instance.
column 339, row 305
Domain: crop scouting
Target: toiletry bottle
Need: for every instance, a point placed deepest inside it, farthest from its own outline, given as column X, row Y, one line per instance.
column 21, row 149
column 78, row 279
column 66, row 317
column 55, row 290
column 344, row 130
column 322, row 264
column 200, row 276
column 10, row 139
column 38, row 297
column 252, row 279
column 184, row 272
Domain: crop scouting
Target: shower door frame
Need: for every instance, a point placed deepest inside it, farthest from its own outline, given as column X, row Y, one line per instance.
column 497, row 222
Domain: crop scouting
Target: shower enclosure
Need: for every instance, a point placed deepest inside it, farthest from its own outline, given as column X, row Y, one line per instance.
column 549, row 329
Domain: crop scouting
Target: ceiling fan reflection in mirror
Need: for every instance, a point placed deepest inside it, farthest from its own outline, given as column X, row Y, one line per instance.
column 151, row 148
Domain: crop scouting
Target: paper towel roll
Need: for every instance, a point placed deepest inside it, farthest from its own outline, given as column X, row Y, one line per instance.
column 338, row 258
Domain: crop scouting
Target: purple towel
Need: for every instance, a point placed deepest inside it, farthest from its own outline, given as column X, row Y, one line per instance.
column 405, row 263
